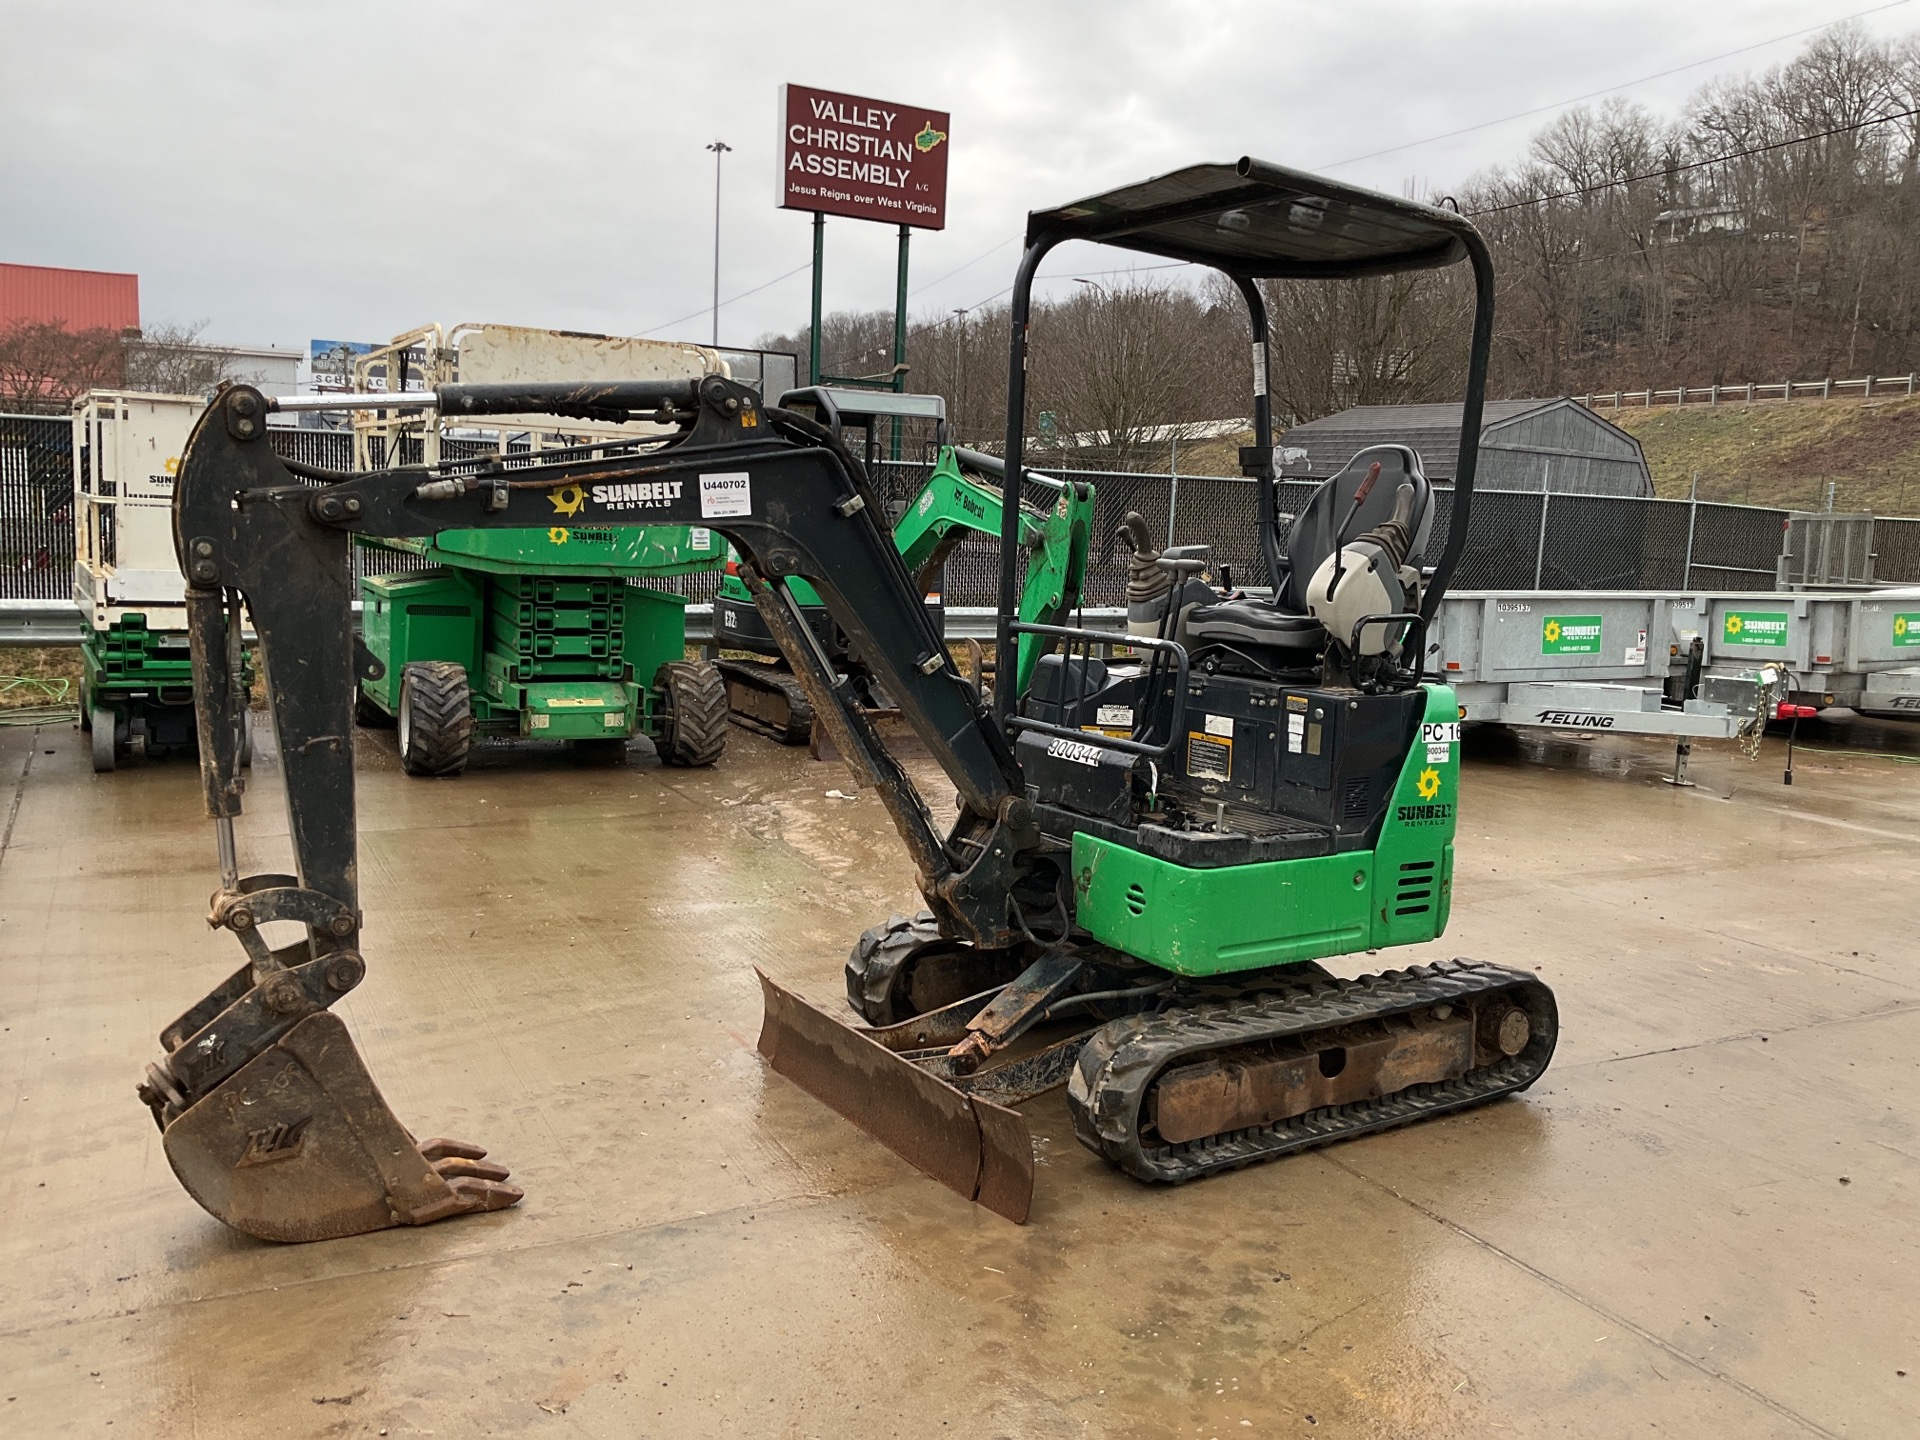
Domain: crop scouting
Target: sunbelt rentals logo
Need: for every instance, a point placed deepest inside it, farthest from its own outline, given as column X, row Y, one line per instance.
column 1755, row 627
column 1570, row 635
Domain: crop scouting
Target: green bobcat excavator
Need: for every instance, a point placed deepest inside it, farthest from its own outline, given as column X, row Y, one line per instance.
column 1150, row 856
column 960, row 497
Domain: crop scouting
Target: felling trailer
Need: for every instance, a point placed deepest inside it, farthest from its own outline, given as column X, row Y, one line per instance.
column 1705, row 664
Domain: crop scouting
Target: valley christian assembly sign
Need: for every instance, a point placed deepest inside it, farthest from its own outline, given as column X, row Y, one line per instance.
column 867, row 159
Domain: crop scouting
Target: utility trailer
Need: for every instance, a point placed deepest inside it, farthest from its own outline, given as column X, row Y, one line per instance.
column 136, row 687
column 1700, row 664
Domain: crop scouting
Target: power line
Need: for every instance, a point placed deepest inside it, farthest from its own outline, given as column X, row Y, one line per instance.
column 669, row 324
column 1123, row 270
column 1611, row 89
column 1698, row 164
column 968, row 266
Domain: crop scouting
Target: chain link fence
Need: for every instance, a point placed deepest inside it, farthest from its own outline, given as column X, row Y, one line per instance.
column 1519, row 540
column 36, row 507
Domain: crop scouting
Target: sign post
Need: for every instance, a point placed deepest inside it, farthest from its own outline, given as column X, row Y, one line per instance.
column 866, row 160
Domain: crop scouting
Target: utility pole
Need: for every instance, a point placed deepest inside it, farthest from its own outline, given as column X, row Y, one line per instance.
column 719, row 148
column 959, row 367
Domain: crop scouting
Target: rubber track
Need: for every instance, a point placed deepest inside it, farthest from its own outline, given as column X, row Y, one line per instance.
column 772, row 680
column 876, row 960
column 1108, row 1090
column 697, row 703
column 441, row 726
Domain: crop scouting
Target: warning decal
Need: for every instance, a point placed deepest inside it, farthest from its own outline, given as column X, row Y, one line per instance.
column 1209, row 757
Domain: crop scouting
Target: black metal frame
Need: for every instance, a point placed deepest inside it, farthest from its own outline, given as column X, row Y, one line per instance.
column 1076, row 635
column 1439, row 237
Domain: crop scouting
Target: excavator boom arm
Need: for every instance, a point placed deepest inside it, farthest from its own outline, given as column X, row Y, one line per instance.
column 306, row 1148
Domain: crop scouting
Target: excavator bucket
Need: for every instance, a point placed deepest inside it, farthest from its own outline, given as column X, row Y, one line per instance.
column 970, row 1145
column 297, row 1144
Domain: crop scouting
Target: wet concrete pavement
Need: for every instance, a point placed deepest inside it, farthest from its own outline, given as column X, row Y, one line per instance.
column 1701, row 1222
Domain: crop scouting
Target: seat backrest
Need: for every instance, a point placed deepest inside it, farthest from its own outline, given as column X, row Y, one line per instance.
column 1314, row 532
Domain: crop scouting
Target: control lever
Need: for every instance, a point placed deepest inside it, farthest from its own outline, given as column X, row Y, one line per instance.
column 1340, row 535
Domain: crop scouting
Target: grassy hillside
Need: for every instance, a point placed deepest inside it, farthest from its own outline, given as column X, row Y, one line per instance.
column 1785, row 454
column 1765, row 454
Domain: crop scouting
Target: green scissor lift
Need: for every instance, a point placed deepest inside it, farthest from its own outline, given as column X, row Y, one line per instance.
column 539, row 634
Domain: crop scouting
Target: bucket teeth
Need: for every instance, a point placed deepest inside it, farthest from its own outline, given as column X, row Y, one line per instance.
column 441, row 1148
column 460, row 1167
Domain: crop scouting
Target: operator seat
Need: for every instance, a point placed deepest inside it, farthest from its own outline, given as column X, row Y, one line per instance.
column 1279, row 634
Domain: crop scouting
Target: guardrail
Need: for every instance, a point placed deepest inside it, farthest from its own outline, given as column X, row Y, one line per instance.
column 58, row 622
column 1889, row 385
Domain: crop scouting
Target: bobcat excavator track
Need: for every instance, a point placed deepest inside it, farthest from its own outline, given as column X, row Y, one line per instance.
column 1191, row 1091
column 1218, row 1075
column 768, row 700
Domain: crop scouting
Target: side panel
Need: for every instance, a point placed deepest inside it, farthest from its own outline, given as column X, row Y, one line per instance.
column 1413, row 860
column 656, row 634
column 568, row 547
column 1212, row 922
column 430, row 616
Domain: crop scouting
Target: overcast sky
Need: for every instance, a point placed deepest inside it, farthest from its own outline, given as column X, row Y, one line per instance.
column 348, row 170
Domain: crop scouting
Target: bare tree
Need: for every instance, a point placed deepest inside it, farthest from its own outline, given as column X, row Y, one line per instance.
column 1390, row 340
column 1125, row 369
column 1764, row 233
column 174, row 360
column 44, row 365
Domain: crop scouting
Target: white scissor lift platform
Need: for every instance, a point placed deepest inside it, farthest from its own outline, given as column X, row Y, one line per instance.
column 1699, row 664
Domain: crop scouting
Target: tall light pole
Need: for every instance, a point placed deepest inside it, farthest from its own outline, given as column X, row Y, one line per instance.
column 959, row 367
column 719, row 148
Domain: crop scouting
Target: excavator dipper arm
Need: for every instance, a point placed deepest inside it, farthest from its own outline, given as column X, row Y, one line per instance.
column 270, row 1118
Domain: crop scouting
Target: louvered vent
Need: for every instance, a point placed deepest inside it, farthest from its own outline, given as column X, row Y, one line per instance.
column 1414, row 895
column 1355, row 796
column 1137, row 898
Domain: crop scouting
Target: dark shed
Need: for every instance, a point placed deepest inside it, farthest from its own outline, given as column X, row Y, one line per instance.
column 1556, row 445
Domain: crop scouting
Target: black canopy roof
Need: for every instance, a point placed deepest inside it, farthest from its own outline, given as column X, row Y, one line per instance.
column 1261, row 220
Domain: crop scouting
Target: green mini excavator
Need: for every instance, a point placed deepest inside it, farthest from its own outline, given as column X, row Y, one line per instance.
column 960, row 498
column 1155, row 847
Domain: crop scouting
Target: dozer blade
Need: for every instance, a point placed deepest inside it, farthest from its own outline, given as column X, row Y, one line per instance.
column 298, row 1144
column 972, row 1146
